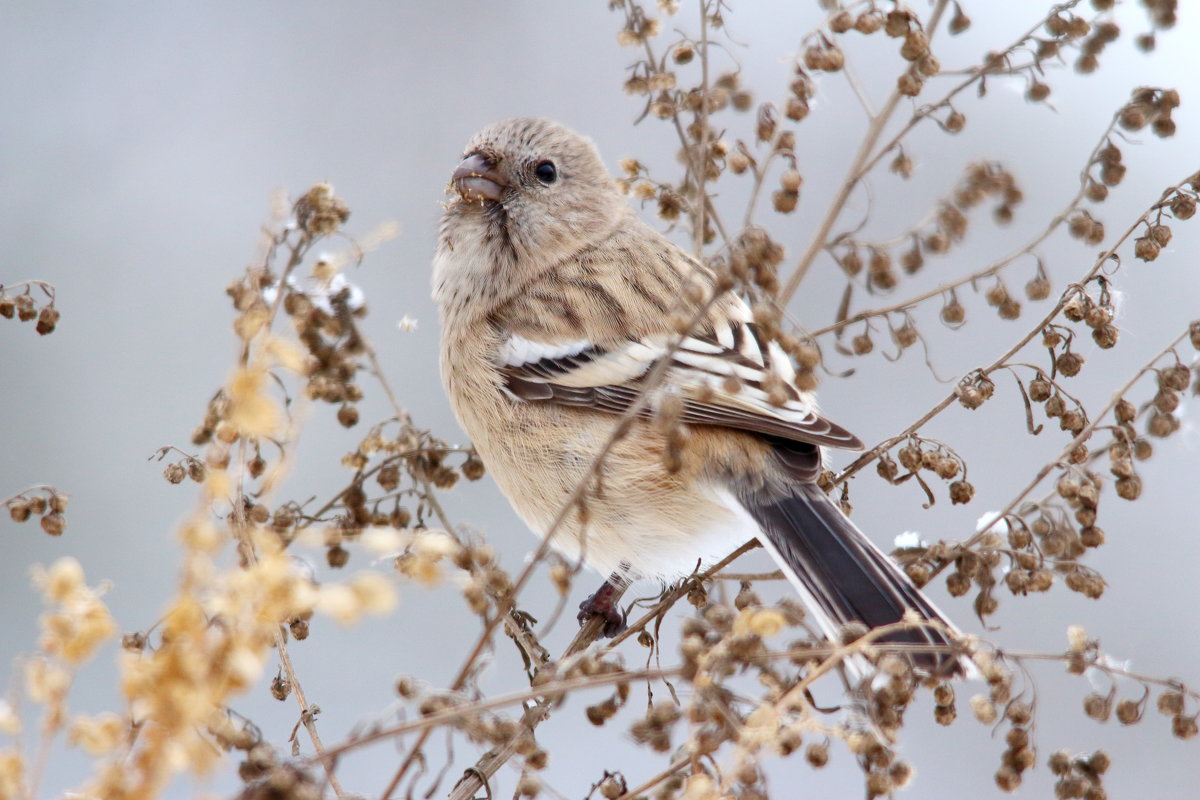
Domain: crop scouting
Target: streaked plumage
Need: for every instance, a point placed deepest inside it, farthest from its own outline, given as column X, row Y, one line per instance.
column 556, row 304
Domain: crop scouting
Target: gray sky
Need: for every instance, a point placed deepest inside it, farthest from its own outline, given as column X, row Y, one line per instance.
column 142, row 143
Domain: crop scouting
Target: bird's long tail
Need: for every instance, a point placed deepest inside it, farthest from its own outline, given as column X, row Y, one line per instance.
column 842, row 576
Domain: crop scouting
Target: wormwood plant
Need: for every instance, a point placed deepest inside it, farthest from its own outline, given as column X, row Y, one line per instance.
column 736, row 693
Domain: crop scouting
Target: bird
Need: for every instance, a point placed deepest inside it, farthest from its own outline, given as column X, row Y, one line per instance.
column 559, row 309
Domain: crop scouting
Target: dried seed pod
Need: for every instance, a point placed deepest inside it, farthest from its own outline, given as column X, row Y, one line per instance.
column 473, row 468
column 1038, row 288
column 1183, row 727
column 1162, row 425
column 953, row 312
column 1037, row 92
column 1072, row 421
column 1105, row 336
column 1091, row 536
column 887, row 469
column 960, row 21
column 1129, row 488
column 1069, row 363
column 54, row 523
column 1145, row 248
column 26, row 310
column 790, row 180
column 1161, row 234
column 1177, row 378
column 1039, row 389
column 909, row 84
column 868, row 22
column 47, row 320
column 347, row 416
column 969, row 396
column 905, row 336
column 946, row 467
column 1183, row 206
column 841, row 22
column 919, row 573
column 916, row 45
column 961, row 492
column 785, row 202
column 1129, row 712
column 937, row 242
column 1163, row 127
column 337, row 556
column 767, row 123
column 1166, row 401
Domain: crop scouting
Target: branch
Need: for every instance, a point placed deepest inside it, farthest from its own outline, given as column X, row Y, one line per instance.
column 858, row 168
column 1002, row 361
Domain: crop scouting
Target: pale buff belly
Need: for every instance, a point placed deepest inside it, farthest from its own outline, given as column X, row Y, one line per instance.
column 634, row 513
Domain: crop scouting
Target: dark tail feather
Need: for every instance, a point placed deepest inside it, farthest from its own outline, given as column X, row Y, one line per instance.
column 842, row 575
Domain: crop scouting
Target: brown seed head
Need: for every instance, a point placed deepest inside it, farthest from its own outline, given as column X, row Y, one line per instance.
column 337, row 556
column 174, row 473
column 960, row 21
column 1176, row 377
column 1037, row 91
column 319, row 212
column 26, row 309
column 1183, row 206
column 47, row 320
column 54, row 523
column 1129, row 488
column 841, row 22
column 1145, row 248
column 1069, row 363
column 1038, row 288
column 909, row 84
column 953, row 313
column 1184, row 727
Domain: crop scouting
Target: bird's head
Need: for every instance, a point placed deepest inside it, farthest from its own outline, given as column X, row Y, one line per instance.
column 533, row 188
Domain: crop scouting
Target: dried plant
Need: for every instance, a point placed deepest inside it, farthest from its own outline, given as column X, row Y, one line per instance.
column 735, row 694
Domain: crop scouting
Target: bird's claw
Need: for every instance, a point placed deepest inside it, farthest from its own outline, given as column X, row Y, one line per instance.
column 601, row 604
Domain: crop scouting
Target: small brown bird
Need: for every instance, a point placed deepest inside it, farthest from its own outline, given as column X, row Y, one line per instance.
column 556, row 305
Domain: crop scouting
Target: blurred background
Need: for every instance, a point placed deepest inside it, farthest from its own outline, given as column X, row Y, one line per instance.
column 140, row 147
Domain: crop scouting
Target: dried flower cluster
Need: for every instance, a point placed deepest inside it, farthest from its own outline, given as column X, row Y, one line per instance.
column 45, row 502
column 25, row 307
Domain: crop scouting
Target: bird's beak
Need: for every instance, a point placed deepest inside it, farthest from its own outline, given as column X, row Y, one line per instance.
column 478, row 179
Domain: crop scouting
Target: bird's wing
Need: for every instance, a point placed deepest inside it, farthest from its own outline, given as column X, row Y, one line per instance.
column 728, row 377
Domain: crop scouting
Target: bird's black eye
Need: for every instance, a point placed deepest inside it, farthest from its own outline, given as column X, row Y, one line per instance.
column 546, row 172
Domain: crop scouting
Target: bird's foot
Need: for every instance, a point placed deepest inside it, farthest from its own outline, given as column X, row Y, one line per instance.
column 603, row 604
